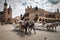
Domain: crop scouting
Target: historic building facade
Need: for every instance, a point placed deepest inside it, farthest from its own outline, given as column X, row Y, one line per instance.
column 6, row 14
column 52, row 16
column 31, row 13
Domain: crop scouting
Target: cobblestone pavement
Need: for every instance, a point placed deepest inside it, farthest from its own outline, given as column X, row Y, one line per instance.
column 7, row 33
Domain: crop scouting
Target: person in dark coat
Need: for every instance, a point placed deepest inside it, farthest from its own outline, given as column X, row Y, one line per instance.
column 26, row 25
column 31, row 26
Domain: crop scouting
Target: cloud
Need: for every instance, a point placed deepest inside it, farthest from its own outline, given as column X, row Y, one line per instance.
column 18, row 6
column 54, row 1
column 24, row 4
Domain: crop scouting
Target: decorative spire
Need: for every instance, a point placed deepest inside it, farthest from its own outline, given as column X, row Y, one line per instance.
column 57, row 10
column 30, row 6
column 5, row 2
column 36, row 8
column 9, row 7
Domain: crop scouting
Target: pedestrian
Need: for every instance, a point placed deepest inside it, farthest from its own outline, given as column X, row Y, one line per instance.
column 20, row 26
column 26, row 25
column 29, row 28
column 32, row 27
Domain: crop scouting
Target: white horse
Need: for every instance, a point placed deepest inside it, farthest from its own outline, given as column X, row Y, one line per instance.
column 51, row 26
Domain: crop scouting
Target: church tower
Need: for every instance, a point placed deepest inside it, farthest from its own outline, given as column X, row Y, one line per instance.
column 10, row 13
column 5, row 11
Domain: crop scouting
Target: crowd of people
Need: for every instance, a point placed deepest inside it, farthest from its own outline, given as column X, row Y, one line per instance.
column 25, row 27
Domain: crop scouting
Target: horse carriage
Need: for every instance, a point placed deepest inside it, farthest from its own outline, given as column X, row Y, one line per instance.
column 20, row 25
column 47, row 26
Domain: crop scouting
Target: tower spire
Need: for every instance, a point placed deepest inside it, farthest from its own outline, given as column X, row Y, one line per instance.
column 10, row 7
column 5, row 3
column 57, row 10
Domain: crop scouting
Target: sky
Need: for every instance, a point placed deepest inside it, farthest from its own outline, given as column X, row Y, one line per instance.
column 18, row 6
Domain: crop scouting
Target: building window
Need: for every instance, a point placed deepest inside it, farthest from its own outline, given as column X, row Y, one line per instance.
column 40, row 19
column 50, row 16
column 8, row 19
column 0, row 18
column 8, row 12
